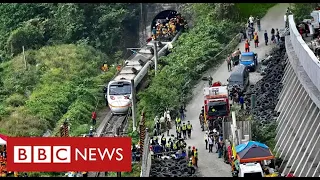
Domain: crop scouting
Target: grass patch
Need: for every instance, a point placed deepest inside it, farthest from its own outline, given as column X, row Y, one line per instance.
column 254, row 9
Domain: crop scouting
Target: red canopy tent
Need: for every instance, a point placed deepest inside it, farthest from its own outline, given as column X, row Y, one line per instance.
column 3, row 139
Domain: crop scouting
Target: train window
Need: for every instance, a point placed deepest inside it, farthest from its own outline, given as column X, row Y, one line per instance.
column 123, row 89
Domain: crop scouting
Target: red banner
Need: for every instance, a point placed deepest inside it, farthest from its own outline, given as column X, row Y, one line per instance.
column 51, row 154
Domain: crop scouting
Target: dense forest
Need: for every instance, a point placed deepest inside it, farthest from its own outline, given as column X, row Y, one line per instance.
column 58, row 76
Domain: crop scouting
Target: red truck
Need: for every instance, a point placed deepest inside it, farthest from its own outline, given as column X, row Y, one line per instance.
column 216, row 101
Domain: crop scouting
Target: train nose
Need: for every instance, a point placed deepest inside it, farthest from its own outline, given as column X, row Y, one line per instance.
column 119, row 107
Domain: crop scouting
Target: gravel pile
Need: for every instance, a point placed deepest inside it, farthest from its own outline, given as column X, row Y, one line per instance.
column 168, row 167
column 268, row 88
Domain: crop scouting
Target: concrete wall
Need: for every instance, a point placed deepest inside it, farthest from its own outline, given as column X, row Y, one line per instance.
column 298, row 140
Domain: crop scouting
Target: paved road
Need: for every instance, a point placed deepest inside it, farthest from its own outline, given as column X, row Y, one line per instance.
column 209, row 164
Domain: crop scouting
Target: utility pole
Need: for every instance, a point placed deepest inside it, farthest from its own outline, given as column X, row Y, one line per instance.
column 118, row 134
column 155, row 58
column 133, row 106
column 24, row 58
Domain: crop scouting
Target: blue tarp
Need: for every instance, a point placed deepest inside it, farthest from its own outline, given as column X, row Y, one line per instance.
column 241, row 147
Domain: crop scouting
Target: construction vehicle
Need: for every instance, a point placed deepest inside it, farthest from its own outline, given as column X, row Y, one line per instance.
column 216, row 102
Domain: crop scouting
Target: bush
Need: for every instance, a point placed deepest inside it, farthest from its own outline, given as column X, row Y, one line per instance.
column 254, row 9
column 302, row 11
column 28, row 36
column 16, row 100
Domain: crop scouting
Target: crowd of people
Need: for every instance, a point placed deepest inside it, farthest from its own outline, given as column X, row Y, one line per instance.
column 176, row 148
column 252, row 34
column 168, row 27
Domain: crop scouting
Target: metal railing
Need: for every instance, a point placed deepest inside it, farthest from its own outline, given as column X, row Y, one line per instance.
column 306, row 57
column 146, row 158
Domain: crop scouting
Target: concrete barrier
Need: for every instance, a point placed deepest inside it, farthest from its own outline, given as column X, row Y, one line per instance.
column 297, row 139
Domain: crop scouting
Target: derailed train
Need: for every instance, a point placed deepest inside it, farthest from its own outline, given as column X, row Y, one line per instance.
column 136, row 68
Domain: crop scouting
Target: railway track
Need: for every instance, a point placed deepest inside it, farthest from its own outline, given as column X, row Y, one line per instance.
column 115, row 126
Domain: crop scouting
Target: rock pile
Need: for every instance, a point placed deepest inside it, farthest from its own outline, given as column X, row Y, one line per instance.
column 268, row 88
column 170, row 168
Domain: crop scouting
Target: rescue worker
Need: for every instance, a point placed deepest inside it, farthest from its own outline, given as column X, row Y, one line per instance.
column 189, row 128
column 178, row 130
column 84, row 174
column 256, row 40
column 154, row 33
column 178, row 121
column 94, row 117
column 105, row 67
column 206, row 139
column 195, row 154
column 192, row 170
column 119, row 68
column 229, row 62
column 247, row 46
column 202, row 110
column 163, row 141
column 174, row 146
column 184, row 131
column 266, row 39
column 168, row 146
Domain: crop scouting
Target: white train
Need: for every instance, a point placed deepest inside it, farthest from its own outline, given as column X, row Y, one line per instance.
column 136, row 68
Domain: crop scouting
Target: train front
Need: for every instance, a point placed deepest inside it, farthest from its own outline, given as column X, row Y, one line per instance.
column 119, row 96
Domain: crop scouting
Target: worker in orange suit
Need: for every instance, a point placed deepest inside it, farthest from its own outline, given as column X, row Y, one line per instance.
column 247, row 46
column 119, row 67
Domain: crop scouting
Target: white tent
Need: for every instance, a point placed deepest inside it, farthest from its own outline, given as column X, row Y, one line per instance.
column 3, row 139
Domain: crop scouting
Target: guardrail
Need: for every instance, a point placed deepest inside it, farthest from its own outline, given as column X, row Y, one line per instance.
column 306, row 57
column 146, row 157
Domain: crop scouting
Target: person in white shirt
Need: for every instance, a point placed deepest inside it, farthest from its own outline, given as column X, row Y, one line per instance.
column 206, row 139
column 251, row 19
column 285, row 21
column 210, row 140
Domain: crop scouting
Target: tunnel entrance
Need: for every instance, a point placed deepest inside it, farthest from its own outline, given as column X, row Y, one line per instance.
column 163, row 15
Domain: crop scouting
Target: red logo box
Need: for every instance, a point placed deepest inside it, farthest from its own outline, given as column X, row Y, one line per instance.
column 54, row 154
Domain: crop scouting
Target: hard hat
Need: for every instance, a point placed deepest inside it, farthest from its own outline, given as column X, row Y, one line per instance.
column 190, row 159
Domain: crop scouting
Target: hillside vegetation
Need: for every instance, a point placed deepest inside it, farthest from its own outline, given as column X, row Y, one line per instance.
column 60, row 81
column 65, row 45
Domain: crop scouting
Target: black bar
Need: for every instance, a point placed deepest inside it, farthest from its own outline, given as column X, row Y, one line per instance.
column 118, row 174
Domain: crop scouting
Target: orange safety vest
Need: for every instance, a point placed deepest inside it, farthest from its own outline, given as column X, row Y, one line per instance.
column 246, row 45
column 118, row 68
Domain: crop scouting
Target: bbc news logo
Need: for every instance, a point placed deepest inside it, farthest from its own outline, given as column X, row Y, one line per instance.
column 69, row 154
